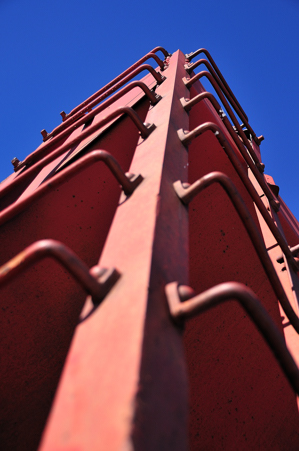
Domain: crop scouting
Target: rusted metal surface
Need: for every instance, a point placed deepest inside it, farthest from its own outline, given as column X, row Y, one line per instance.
column 192, row 55
column 236, row 291
column 187, row 194
column 209, row 126
column 96, row 281
column 64, row 126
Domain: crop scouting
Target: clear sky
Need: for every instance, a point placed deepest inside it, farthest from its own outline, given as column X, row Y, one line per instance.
column 54, row 54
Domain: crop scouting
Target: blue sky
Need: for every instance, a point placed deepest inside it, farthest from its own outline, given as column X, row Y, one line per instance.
column 57, row 53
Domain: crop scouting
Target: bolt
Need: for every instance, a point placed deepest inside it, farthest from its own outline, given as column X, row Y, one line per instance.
column 44, row 134
column 185, row 292
column 261, row 167
column 15, row 162
column 97, row 272
column 260, row 139
column 130, row 175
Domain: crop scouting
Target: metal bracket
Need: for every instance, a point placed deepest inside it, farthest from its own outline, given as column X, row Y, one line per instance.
column 16, row 163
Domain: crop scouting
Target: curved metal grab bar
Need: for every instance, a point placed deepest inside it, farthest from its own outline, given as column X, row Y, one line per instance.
column 222, row 87
column 161, row 49
column 31, row 157
column 158, row 77
column 246, row 297
column 187, row 105
column 96, row 281
column 119, row 77
column 187, row 194
column 153, row 98
column 145, row 130
column 210, row 126
column 129, row 182
column 208, row 55
column 229, row 110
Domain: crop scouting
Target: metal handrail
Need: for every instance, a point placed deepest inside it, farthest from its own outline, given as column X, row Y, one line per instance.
column 31, row 157
column 119, row 77
column 187, row 105
column 187, row 194
column 153, row 98
column 246, row 297
column 210, row 126
column 97, row 282
column 227, row 107
column 221, row 85
column 145, row 130
column 208, row 55
column 157, row 76
column 128, row 182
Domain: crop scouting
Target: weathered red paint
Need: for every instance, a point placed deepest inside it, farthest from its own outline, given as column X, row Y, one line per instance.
column 213, row 297
column 146, row 222
column 117, row 376
column 95, row 281
column 230, row 404
column 187, row 194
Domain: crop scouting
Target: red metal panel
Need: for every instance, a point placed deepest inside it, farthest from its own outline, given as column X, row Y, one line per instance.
column 138, row 360
column 235, row 385
column 78, row 213
column 125, row 370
